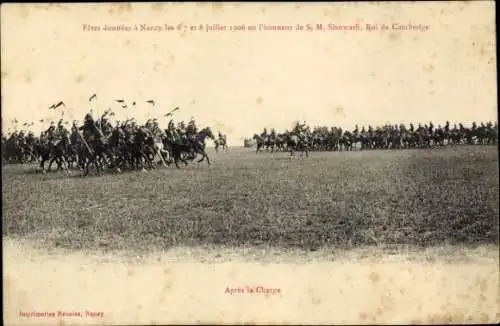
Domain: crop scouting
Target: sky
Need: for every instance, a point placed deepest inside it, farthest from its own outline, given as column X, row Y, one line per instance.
column 239, row 82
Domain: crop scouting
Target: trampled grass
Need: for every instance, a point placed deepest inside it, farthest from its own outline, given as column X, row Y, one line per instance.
column 420, row 198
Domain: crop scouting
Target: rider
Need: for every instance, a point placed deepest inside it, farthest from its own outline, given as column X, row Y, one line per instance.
column 74, row 127
column 272, row 134
column 89, row 127
column 61, row 131
column 51, row 133
column 181, row 131
column 145, row 131
column 300, row 129
column 191, row 130
column 104, row 123
column 155, row 128
column 170, row 131
column 264, row 133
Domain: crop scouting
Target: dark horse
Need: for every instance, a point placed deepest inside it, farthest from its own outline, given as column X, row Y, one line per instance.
column 259, row 141
column 191, row 147
column 54, row 151
column 96, row 150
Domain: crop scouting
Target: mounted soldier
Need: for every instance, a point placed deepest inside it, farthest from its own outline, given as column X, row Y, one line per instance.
column 191, row 130
column 155, row 128
column 171, row 132
column 51, row 133
column 221, row 138
column 301, row 130
column 61, row 130
column 105, row 125
column 263, row 135
column 181, row 132
column 90, row 130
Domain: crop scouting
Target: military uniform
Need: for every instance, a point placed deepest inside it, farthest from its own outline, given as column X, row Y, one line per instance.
column 191, row 130
column 264, row 134
column 89, row 128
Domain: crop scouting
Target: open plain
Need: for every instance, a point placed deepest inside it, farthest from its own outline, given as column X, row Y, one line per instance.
column 354, row 236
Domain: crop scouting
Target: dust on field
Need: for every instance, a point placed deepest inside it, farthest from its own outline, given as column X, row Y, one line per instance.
column 178, row 286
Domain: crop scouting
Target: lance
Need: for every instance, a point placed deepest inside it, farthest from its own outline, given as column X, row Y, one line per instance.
column 171, row 112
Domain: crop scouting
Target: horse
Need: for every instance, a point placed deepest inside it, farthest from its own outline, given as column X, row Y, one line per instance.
column 260, row 142
column 221, row 142
column 295, row 144
column 194, row 146
column 96, row 149
column 54, row 151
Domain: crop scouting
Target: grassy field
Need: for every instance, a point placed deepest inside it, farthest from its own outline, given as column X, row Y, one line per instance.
column 331, row 200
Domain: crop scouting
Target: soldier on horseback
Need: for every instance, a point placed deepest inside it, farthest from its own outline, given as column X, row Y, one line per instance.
column 61, row 130
column 171, row 132
column 51, row 133
column 89, row 128
column 300, row 129
column 181, row 131
column 144, row 130
column 191, row 130
column 263, row 135
column 105, row 125
column 155, row 128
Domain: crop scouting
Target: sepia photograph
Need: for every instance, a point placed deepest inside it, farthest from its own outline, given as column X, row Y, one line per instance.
column 250, row 163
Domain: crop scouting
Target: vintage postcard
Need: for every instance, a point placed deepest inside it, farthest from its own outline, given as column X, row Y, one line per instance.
column 257, row 163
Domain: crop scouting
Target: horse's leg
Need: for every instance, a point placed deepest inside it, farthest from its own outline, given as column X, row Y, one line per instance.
column 203, row 153
column 68, row 170
column 59, row 163
column 87, row 166
column 177, row 156
column 50, row 163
